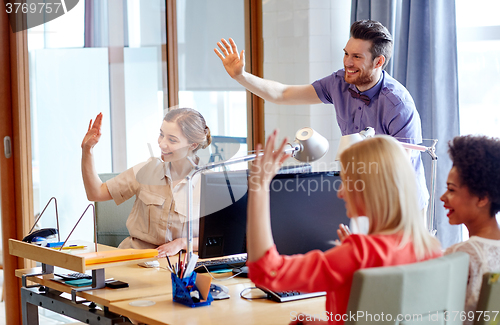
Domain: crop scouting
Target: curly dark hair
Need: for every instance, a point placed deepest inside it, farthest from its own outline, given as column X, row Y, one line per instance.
column 378, row 34
column 477, row 160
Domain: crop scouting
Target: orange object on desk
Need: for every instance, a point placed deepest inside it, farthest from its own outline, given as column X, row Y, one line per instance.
column 117, row 255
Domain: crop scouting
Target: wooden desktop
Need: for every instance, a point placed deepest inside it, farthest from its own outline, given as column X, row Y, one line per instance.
column 152, row 286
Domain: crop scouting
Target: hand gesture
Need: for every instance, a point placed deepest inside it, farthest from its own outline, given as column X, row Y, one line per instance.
column 343, row 232
column 93, row 134
column 265, row 167
column 233, row 62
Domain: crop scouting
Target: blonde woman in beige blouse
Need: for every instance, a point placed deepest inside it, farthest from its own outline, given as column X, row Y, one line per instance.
column 158, row 217
column 472, row 198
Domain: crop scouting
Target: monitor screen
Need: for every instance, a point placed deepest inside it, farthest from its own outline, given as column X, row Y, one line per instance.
column 305, row 212
column 223, row 213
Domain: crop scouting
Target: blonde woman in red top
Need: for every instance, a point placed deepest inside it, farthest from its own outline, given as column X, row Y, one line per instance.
column 378, row 182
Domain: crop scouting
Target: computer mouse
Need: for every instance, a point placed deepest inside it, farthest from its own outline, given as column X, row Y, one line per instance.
column 219, row 292
column 241, row 271
column 149, row 264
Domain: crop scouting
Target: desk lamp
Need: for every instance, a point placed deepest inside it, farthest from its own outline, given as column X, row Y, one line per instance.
column 350, row 139
column 308, row 146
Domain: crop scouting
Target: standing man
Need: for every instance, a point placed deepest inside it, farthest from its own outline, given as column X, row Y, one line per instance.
column 362, row 93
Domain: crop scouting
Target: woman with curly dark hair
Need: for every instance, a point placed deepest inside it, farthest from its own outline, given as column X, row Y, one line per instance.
column 472, row 198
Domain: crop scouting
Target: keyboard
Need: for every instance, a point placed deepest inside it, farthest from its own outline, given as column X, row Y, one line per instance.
column 285, row 296
column 229, row 262
column 74, row 276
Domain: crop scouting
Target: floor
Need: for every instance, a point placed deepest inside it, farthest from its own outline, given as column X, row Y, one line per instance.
column 45, row 317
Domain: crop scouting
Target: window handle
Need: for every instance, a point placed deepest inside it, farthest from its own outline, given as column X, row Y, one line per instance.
column 7, row 147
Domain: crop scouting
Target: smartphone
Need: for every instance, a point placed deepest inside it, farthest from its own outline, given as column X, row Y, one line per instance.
column 79, row 282
column 115, row 284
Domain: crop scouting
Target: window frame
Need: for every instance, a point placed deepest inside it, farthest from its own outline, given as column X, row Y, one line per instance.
column 17, row 122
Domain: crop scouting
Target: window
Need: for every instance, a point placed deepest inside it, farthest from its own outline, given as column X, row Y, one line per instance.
column 478, row 34
column 99, row 57
column 203, row 82
column 478, row 37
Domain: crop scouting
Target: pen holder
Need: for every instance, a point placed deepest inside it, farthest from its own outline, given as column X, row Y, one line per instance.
column 181, row 289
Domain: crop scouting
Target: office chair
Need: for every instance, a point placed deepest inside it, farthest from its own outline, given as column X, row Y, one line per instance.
column 111, row 218
column 403, row 293
column 489, row 300
column 225, row 147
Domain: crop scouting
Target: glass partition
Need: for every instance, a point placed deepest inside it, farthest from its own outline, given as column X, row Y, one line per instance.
column 102, row 56
column 203, row 82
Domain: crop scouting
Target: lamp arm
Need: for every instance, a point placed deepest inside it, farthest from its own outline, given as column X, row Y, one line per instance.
column 197, row 169
column 293, row 147
column 431, row 214
column 412, row 146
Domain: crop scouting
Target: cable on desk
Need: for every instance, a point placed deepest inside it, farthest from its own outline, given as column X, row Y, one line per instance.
column 243, row 292
column 209, row 273
column 218, row 279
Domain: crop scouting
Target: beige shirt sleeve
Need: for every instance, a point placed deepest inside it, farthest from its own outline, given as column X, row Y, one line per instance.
column 123, row 186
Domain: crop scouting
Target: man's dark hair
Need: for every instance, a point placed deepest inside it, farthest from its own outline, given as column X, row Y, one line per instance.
column 477, row 160
column 370, row 30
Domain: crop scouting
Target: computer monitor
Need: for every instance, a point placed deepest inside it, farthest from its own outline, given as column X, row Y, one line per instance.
column 223, row 213
column 305, row 212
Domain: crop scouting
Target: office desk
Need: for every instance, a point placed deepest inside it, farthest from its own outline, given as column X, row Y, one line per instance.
column 142, row 282
column 235, row 310
column 153, row 284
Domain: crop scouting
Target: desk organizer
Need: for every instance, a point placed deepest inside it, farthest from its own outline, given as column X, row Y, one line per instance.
column 181, row 289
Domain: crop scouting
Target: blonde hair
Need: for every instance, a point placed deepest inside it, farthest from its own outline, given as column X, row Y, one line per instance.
column 386, row 183
column 193, row 126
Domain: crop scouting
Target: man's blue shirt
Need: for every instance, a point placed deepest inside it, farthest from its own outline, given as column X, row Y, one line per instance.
column 391, row 111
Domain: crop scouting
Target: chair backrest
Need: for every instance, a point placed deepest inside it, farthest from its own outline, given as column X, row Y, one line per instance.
column 418, row 293
column 225, row 147
column 488, row 304
column 111, row 218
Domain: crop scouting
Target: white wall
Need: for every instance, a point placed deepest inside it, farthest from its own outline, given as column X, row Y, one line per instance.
column 303, row 42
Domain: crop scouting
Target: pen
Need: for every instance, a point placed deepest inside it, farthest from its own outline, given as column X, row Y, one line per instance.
column 181, row 269
column 168, row 260
column 70, row 247
column 180, row 264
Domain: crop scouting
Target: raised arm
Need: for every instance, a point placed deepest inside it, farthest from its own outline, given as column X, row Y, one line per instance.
column 264, row 168
column 96, row 190
column 269, row 90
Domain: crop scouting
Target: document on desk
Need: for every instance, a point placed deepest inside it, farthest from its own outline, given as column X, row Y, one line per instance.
column 117, row 255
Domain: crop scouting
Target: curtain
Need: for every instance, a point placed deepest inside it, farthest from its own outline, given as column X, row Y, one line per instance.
column 96, row 24
column 425, row 62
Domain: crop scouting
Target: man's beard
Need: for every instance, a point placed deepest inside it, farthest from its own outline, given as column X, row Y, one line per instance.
column 361, row 80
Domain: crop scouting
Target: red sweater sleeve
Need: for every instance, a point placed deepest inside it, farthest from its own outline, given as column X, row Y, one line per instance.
column 311, row 272
column 330, row 270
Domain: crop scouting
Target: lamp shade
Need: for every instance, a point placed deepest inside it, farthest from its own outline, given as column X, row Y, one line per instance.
column 312, row 145
column 346, row 141
column 350, row 139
